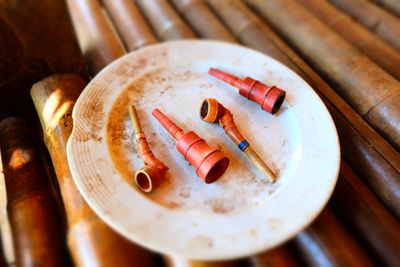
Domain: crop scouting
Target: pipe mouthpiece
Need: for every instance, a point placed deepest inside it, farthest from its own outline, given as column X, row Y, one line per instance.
column 224, row 76
column 149, row 178
column 168, row 124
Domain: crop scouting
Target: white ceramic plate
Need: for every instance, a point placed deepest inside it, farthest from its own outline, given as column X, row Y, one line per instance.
column 239, row 214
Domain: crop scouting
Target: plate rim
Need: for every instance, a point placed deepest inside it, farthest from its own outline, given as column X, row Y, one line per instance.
column 190, row 42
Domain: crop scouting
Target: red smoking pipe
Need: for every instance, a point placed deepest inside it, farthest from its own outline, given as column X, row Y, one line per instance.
column 270, row 98
column 210, row 163
column 153, row 173
column 212, row 111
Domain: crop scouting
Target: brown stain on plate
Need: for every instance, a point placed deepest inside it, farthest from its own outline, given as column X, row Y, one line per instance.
column 237, row 192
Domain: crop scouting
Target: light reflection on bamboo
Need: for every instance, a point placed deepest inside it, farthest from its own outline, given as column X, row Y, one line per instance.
column 53, row 110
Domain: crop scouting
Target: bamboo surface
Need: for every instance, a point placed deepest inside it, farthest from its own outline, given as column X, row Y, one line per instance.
column 373, row 158
column 391, row 5
column 247, row 28
column 90, row 240
column 130, row 23
column 32, row 47
column 36, row 224
column 372, row 92
column 323, row 239
column 203, row 20
column 5, row 231
column 379, row 51
column 281, row 256
column 373, row 224
column 174, row 261
column 327, row 243
column 99, row 43
column 165, row 21
column 376, row 19
column 3, row 262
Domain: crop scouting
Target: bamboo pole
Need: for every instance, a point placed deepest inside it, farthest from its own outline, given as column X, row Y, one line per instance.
column 281, row 256
column 372, row 92
column 164, row 20
column 374, row 18
column 97, row 39
column 203, row 20
column 32, row 206
column 91, row 241
column 392, row 6
column 376, row 172
column 376, row 228
column 379, row 51
column 3, row 262
column 130, row 23
column 327, row 243
column 173, row 261
column 366, row 151
column 247, row 28
column 36, row 39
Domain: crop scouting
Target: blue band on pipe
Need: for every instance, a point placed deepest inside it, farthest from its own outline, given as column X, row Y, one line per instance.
column 242, row 146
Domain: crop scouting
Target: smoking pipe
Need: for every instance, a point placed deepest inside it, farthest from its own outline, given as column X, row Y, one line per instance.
column 270, row 98
column 210, row 163
column 212, row 111
column 153, row 173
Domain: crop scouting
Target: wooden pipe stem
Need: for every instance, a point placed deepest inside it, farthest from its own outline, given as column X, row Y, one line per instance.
column 174, row 130
column 212, row 111
column 210, row 163
column 270, row 98
column 151, row 176
column 259, row 163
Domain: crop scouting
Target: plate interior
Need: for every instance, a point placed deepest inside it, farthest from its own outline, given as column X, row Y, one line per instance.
column 178, row 91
